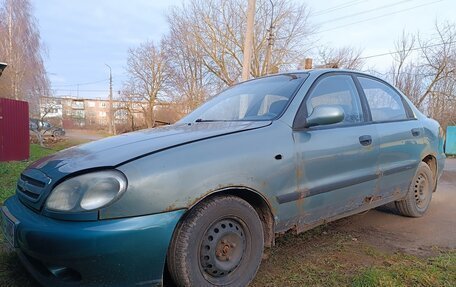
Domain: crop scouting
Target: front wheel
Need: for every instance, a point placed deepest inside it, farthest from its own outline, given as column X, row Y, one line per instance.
column 419, row 196
column 219, row 243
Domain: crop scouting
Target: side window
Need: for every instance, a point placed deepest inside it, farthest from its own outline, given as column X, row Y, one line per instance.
column 385, row 103
column 337, row 90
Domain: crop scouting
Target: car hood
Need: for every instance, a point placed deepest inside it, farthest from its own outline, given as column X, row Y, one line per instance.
column 113, row 151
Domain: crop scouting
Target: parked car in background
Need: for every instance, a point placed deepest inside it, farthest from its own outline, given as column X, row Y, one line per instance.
column 46, row 128
column 204, row 196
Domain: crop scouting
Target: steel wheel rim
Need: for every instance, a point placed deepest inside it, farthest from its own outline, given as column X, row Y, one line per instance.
column 222, row 249
column 421, row 191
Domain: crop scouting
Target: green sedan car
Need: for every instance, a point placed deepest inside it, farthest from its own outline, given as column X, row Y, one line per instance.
column 202, row 198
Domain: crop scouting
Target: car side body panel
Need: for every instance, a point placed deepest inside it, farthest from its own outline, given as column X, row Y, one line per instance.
column 399, row 155
column 433, row 138
column 336, row 173
column 180, row 177
column 261, row 160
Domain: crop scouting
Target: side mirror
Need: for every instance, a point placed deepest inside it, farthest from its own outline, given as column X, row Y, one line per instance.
column 325, row 115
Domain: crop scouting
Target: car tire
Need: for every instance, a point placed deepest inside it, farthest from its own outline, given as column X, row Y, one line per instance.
column 219, row 243
column 418, row 198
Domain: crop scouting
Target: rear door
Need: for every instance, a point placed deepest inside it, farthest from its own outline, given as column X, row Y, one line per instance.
column 336, row 163
column 400, row 135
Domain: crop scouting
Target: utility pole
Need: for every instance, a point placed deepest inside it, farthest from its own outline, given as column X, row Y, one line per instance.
column 248, row 42
column 111, row 128
column 308, row 63
column 267, row 61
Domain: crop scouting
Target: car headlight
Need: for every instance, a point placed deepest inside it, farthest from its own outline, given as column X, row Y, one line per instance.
column 87, row 192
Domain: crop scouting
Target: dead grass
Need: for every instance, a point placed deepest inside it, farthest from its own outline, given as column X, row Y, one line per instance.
column 324, row 257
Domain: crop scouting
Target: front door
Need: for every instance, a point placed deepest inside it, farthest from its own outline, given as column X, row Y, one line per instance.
column 337, row 163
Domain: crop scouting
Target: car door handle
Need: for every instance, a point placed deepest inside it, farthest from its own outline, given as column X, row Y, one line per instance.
column 416, row 132
column 365, row 140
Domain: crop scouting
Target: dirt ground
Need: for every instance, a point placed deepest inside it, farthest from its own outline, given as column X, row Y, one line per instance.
column 412, row 235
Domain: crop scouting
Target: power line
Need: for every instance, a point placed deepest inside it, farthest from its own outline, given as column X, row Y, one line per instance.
column 380, row 16
column 365, row 12
column 73, row 90
column 405, row 73
column 81, row 84
column 338, row 7
column 411, row 49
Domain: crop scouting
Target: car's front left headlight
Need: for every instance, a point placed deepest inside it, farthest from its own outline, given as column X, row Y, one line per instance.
column 87, row 192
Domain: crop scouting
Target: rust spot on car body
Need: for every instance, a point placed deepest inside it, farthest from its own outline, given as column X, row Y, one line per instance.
column 397, row 191
column 299, row 172
column 372, row 198
column 303, row 193
column 171, row 207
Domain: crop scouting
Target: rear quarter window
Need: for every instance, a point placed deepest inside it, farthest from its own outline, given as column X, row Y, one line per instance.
column 385, row 103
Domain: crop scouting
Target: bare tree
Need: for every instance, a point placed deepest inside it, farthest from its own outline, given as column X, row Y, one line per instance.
column 345, row 57
column 147, row 67
column 403, row 49
column 49, row 105
column 127, row 104
column 22, row 49
column 439, row 57
column 407, row 73
column 189, row 82
column 217, row 27
column 428, row 76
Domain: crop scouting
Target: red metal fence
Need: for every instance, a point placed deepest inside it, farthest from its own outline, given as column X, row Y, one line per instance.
column 14, row 130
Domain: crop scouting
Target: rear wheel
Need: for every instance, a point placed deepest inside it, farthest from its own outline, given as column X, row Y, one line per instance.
column 419, row 196
column 219, row 243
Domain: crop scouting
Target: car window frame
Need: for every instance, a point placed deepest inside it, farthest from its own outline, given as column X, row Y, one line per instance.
column 410, row 115
column 301, row 114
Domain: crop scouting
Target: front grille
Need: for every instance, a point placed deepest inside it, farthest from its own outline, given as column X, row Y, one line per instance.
column 30, row 186
column 33, row 181
column 28, row 193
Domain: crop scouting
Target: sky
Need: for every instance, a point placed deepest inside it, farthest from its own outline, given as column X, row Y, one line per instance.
column 82, row 37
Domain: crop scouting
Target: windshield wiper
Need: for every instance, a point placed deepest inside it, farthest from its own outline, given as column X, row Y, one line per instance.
column 202, row 121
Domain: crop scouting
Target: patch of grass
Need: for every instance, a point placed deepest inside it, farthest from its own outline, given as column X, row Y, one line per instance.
column 407, row 270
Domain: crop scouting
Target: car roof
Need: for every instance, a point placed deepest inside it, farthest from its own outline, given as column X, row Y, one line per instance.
column 322, row 71
column 318, row 72
column 314, row 72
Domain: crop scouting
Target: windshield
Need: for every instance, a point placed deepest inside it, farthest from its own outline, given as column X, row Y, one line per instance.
column 260, row 99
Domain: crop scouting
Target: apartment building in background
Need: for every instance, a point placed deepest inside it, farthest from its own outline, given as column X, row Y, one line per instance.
column 72, row 112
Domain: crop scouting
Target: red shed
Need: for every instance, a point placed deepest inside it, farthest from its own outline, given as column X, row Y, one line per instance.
column 14, row 130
